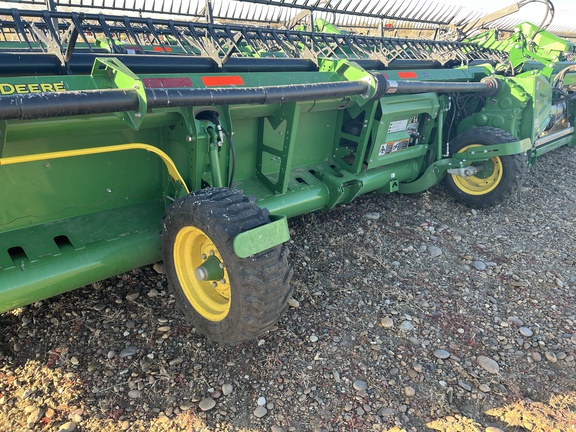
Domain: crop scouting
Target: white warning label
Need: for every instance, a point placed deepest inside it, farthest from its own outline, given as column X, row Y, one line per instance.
column 397, row 126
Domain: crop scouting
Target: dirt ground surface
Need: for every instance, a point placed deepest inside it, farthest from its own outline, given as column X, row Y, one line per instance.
column 409, row 313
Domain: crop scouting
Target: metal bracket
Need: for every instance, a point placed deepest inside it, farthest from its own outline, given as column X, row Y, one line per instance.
column 112, row 73
column 468, row 171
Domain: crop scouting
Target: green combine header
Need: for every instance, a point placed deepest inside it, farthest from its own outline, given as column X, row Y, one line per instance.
column 192, row 138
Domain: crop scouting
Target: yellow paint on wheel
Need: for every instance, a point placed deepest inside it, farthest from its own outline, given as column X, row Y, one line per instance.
column 210, row 298
column 485, row 181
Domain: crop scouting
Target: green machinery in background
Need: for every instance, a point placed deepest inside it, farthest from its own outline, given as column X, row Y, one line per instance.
column 126, row 140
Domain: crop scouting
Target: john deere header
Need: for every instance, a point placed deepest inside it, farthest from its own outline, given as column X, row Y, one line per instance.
column 190, row 139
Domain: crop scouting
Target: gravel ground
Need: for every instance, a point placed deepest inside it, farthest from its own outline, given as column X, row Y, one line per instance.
column 408, row 313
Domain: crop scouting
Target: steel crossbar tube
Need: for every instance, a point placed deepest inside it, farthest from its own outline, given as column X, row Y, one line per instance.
column 47, row 105
column 70, row 103
column 489, row 86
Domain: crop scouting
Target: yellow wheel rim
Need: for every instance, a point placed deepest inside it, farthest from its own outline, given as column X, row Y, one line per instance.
column 210, row 298
column 484, row 181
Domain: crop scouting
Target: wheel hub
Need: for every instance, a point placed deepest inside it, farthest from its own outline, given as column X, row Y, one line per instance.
column 479, row 179
column 210, row 270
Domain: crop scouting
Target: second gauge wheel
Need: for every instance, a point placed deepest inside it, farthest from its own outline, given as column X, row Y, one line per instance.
column 496, row 179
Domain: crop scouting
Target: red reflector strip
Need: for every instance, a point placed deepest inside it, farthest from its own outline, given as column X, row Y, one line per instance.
column 213, row 81
column 167, row 82
column 407, row 75
column 159, row 49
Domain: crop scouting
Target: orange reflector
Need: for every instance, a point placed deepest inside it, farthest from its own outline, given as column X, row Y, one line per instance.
column 230, row 80
column 407, row 75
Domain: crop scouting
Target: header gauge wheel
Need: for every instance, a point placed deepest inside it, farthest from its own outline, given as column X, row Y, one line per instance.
column 496, row 180
column 229, row 299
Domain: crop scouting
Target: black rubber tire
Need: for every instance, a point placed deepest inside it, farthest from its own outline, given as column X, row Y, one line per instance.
column 514, row 168
column 259, row 285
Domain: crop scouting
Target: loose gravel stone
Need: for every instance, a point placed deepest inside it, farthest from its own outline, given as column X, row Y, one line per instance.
column 551, row 357
column 261, row 401
column 134, row 394
column 372, row 216
column 34, row 416
column 488, row 364
column 434, row 251
column 536, row 356
column 132, row 295
column 479, row 265
column 67, row 427
column 409, row 391
column 516, row 321
column 227, row 389
column 128, row 351
column 293, row 303
column 387, row 322
column 441, row 354
column 176, row 361
column 525, row 331
column 406, row 326
column 360, row 385
column 207, row 404
column 260, row 411
column 484, row 388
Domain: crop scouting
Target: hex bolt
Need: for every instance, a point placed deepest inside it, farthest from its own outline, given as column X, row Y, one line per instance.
column 203, row 256
column 189, row 138
column 214, row 284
